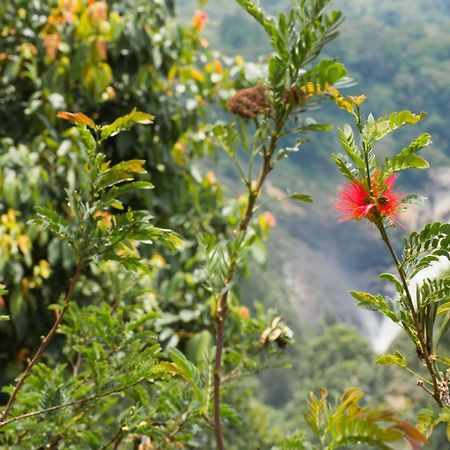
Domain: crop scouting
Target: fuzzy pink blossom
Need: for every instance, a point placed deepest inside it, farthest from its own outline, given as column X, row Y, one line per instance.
column 354, row 201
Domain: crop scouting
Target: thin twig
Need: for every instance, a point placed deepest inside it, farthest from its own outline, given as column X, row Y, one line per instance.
column 118, row 441
column 72, row 403
column 115, row 437
column 222, row 304
column 44, row 343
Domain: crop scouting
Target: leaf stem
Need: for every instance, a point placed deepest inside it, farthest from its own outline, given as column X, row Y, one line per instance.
column 421, row 343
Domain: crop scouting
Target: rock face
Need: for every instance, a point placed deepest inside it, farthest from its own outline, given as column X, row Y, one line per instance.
column 327, row 259
column 317, row 283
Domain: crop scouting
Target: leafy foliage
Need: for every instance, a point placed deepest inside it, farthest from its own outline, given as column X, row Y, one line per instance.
column 419, row 311
column 93, row 233
column 347, row 422
column 352, row 163
column 114, row 377
column 94, row 230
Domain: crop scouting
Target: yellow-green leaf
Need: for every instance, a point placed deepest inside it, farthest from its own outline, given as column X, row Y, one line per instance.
column 443, row 308
column 397, row 359
column 120, row 173
column 126, row 122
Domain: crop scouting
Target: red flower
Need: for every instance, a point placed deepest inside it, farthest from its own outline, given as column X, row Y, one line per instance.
column 354, row 201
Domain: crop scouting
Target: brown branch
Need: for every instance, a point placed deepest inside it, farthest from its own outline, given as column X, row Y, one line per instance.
column 45, row 340
column 115, row 438
column 222, row 305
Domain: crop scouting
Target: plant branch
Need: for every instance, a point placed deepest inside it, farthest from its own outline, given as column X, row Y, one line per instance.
column 421, row 343
column 222, row 304
column 72, row 403
column 45, row 340
column 113, row 439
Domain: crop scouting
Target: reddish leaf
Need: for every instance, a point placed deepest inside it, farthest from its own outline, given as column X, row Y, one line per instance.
column 77, row 118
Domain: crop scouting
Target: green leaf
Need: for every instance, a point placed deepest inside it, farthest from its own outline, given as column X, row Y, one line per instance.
column 88, row 140
column 4, row 318
column 227, row 138
column 260, row 15
column 149, row 234
column 119, row 173
column 430, row 418
column 329, row 72
column 375, row 303
column 126, row 122
column 403, row 162
column 348, row 143
column 399, row 119
column 418, row 144
column 3, row 289
column 345, row 167
column 395, row 121
column 277, row 72
column 443, row 308
column 317, row 411
column 230, row 413
column 117, row 191
column 414, row 199
column 364, row 297
column 347, row 422
column 49, row 218
column 444, row 360
column 312, row 125
column 187, row 370
column 397, row 359
column 433, row 241
column 377, row 129
column 301, row 197
column 443, row 329
column 394, row 280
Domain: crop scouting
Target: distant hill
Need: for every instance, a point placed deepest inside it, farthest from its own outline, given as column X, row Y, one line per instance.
column 398, row 53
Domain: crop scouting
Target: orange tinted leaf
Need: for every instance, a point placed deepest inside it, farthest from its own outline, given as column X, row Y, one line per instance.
column 411, row 431
column 76, row 118
column 24, row 243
